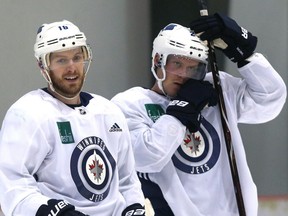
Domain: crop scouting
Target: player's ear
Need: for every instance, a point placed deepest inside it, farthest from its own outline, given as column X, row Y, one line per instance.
column 157, row 60
column 43, row 71
column 40, row 64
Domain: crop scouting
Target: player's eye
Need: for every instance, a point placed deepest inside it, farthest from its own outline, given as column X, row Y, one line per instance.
column 78, row 58
column 174, row 65
column 62, row 61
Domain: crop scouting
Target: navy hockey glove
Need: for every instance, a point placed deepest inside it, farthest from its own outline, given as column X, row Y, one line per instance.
column 193, row 96
column 58, row 208
column 134, row 209
column 236, row 42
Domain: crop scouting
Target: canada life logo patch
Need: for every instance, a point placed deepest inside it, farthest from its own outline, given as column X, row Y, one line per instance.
column 92, row 167
column 199, row 151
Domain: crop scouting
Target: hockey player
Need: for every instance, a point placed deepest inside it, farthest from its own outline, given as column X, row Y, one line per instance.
column 65, row 152
column 176, row 131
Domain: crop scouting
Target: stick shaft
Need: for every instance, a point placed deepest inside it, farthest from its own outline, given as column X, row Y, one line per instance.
column 223, row 113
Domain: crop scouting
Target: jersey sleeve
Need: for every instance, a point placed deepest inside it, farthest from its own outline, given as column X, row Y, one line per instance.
column 258, row 96
column 20, row 141
column 157, row 141
column 262, row 94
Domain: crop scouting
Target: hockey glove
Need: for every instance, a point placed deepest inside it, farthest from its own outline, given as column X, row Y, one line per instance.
column 134, row 209
column 236, row 42
column 58, row 208
column 193, row 96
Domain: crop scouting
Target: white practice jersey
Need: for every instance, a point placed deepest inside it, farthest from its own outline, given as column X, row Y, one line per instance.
column 193, row 170
column 83, row 155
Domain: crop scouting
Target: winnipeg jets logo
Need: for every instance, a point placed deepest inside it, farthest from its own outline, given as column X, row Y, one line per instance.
column 96, row 168
column 199, row 151
column 193, row 143
column 92, row 168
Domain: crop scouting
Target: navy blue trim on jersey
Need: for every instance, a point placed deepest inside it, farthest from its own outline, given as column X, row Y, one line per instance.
column 153, row 192
column 84, row 98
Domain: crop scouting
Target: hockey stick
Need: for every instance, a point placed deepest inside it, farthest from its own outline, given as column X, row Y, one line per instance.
column 223, row 113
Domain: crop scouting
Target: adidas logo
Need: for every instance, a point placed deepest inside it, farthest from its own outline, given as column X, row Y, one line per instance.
column 115, row 128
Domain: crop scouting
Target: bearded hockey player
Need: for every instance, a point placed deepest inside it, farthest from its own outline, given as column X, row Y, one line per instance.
column 65, row 152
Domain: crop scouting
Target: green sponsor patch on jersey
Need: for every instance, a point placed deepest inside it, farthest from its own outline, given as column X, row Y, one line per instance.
column 65, row 132
column 154, row 111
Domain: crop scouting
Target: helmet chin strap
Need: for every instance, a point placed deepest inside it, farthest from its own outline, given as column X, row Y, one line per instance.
column 160, row 86
column 160, row 80
column 60, row 95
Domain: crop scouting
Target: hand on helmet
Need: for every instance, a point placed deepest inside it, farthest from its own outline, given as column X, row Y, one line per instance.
column 190, row 100
column 236, row 42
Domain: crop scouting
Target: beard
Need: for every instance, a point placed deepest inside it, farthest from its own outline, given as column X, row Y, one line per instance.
column 66, row 89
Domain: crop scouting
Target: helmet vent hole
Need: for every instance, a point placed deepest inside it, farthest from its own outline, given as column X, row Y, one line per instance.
column 73, row 43
column 63, row 45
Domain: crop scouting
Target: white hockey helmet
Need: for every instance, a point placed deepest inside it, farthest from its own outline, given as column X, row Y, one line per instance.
column 178, row 40
column 59, row 36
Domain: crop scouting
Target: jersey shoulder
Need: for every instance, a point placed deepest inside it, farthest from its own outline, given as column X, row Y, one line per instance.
column 139, row 95
column 32, row 101
column 103, row 105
